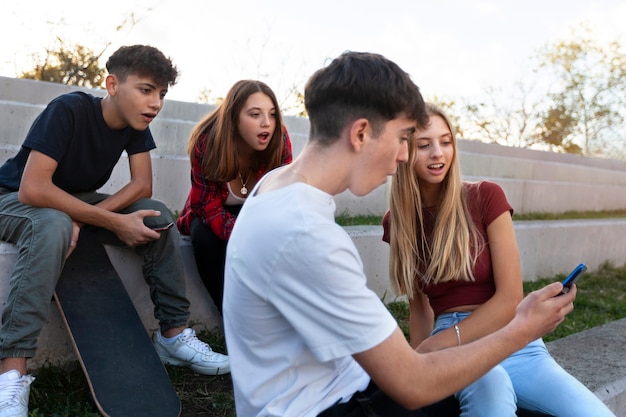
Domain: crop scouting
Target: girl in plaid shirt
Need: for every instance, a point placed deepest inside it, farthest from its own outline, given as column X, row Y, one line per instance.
column 230, row 149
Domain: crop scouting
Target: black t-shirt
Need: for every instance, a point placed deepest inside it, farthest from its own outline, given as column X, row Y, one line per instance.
column 72, row 131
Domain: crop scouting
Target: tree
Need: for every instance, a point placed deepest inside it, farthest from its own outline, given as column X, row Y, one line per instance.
column 206, row 96
column 501, row 118
column 556, row 129
column 72, row 65
column 449, row 106
column 575, row 101
column 77, row 64
column 588, row 94
column 293, row 103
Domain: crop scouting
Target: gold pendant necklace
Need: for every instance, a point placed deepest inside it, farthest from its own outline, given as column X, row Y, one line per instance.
column 243, row 190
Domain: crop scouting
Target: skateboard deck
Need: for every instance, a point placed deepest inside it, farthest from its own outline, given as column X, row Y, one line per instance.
column 126, row 376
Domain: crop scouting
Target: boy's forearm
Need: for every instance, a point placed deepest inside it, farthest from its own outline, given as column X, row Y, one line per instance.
column 415, row 379
column 454, row 369
column 127, row 195
column 51, row 196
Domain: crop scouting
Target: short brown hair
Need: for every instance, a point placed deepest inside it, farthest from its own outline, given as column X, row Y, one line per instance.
column 142, row 60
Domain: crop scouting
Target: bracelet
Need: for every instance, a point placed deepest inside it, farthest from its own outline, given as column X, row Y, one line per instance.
column 458, row 334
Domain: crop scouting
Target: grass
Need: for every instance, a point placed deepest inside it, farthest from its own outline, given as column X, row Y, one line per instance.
column 345, row 219
column 601, row 299
column 363, row 220
column 571, row 215
column 64, row 393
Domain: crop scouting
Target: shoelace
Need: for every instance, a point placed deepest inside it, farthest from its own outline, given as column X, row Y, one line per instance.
column 196, row 343
column 9, row 393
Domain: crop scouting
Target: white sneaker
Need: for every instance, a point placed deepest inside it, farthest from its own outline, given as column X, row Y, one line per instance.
column 14, row 392
column 188, row 350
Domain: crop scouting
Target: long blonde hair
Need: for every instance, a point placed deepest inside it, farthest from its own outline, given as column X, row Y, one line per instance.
column 446, row 255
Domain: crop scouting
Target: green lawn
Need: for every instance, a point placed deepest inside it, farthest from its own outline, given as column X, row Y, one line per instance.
column 601, row 298
column 345, row 219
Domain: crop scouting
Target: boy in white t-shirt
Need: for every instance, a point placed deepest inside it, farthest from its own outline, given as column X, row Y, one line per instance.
column 304, row 332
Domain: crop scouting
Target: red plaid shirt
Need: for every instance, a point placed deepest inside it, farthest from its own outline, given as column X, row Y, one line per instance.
column 206, row 198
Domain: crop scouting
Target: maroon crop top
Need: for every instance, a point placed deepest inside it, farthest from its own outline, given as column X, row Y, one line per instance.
column 486, row 202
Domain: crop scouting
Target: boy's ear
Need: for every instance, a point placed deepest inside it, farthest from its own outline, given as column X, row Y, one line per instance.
column 111, row 82
column 360, row 130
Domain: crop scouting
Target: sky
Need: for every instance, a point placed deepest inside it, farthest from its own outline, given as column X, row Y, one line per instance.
column 451, row 48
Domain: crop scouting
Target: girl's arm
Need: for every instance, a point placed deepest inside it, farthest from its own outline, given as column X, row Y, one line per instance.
column 421, row 319
column 499, row 309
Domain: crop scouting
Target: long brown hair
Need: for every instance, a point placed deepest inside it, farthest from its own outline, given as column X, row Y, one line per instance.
column 446, row 255
column 219, row 160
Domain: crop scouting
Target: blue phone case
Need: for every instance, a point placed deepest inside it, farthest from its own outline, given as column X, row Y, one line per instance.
column 572, row 277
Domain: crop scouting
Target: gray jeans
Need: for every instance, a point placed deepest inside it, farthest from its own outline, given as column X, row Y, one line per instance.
column 42, row 237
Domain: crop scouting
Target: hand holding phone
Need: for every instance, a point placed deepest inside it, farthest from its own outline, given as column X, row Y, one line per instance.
column 162, row 228
column 572, row 277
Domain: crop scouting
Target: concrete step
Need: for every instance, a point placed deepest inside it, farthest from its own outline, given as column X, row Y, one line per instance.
column 596, row 358
column 546, row 248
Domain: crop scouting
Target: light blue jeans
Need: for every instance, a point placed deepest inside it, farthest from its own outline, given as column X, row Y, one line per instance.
column 531, row 379
column 42, row 237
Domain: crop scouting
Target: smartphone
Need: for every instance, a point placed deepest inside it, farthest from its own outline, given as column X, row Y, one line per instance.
column 162, row 228
column 572, row 277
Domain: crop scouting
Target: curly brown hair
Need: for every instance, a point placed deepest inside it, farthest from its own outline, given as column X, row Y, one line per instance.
column 143, row 60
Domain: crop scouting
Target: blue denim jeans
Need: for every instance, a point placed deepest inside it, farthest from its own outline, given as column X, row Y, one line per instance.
column 530, row 379
column 42, row 237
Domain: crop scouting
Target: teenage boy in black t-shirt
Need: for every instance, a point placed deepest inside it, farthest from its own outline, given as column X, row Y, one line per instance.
column 48, row 193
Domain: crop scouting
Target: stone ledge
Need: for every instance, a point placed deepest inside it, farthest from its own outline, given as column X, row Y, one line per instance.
column 547, row 248
column 596, row 358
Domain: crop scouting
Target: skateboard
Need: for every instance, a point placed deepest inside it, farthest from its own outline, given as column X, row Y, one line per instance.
column 125, row 375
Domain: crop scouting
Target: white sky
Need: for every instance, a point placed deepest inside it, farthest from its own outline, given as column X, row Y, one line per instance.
column 451, row 48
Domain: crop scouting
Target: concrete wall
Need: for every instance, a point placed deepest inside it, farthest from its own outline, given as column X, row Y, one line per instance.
column 534, row 181
column 546, row 248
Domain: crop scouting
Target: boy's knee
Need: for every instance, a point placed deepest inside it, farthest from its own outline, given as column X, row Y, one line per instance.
column 150, row 204
column 54, row 222
column 48, row 231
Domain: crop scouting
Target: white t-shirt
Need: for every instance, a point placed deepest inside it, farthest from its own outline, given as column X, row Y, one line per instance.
column 296, row 306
